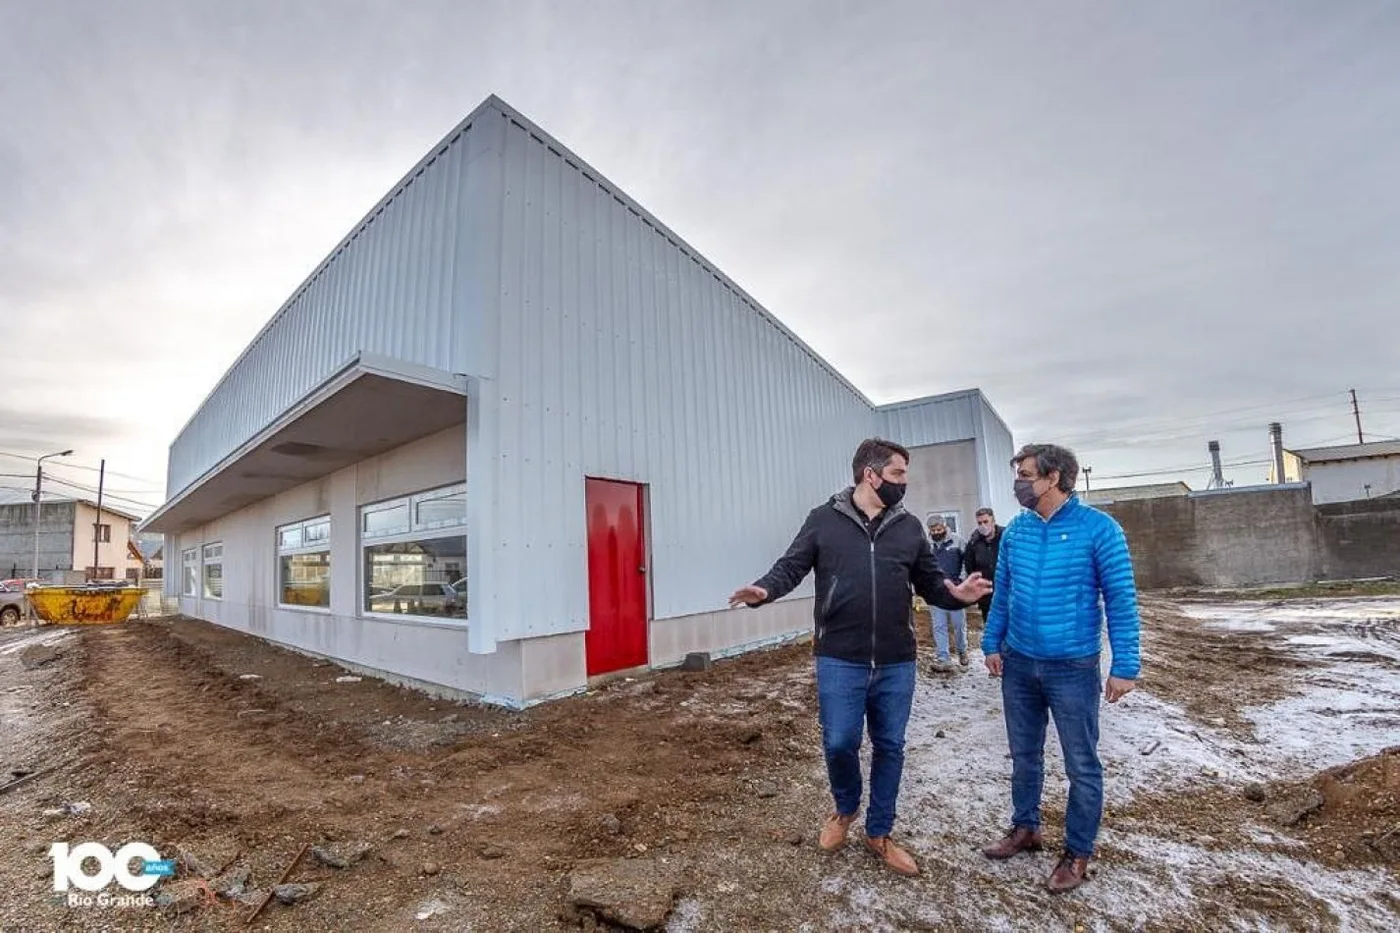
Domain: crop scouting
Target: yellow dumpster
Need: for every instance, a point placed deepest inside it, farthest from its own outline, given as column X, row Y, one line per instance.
column 84, row 605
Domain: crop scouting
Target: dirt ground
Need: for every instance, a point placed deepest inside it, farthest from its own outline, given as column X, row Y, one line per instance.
column 709, row 786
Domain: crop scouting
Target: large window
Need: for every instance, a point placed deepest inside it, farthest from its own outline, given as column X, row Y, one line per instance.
column 214, row 571
column 415, row 554
column 189, row 572
column 304, row 563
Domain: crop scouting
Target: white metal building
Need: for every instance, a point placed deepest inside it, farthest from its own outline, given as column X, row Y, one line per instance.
column 1347, row 472
column 514, row 432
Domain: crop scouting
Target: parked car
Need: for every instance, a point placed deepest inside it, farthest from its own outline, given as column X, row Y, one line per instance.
column 11, row 605
column 429, row 599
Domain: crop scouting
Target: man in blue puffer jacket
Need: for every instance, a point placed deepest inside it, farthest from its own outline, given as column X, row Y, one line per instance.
column 1063, row 566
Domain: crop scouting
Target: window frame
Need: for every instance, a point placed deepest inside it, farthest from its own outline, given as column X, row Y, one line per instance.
column 205, row 563
column 321, row 545
column 189, row 559
column 412, row 532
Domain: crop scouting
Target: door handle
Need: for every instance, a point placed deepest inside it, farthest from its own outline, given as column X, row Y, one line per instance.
column 641, row 570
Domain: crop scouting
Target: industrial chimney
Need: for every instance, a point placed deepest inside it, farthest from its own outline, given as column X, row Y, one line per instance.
column 1276, row 446
column 1217, row 477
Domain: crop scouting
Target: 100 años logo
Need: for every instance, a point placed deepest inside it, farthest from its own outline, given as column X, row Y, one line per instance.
column 68, row 868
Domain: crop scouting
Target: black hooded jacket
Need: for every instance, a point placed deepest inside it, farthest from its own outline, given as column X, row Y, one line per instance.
column 865, row 574
column 980, row 555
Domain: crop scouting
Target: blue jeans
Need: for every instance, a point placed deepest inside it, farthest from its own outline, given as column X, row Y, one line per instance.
column 849, row 695
column 1068, row 690
column 941, row 620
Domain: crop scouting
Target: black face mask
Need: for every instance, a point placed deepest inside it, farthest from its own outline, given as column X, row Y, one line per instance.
column 1025, row 493
column 890, row 493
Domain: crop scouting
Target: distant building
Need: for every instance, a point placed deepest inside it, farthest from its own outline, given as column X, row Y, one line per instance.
column 1122, row 493
column 147, row 558
column 67, row 529
column 1348, row 472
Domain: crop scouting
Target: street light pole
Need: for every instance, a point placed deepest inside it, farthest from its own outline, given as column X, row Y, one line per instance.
column 38, row 491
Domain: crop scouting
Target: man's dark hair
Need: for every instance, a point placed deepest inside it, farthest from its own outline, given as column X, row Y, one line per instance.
column 986, row 511
column 876, row 453
column 1048, row 458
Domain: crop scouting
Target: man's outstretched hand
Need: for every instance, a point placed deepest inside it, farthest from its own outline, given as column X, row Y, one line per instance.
column 970, row 590
column 748, row 596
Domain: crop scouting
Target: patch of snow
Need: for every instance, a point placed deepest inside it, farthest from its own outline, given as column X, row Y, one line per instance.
column 43, row 636
column 686, row 916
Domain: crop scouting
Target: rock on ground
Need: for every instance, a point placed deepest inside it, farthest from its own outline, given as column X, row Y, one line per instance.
column 290, row 894
column 1292, row 809
column 38, row 655
column 637, row 894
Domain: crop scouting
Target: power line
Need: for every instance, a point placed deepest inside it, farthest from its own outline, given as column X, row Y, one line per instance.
column 81, row 466
column 1212, row 419
column 1186, row 429
column 105, row 494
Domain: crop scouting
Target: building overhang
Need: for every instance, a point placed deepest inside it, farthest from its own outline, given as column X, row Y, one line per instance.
column 371, row 405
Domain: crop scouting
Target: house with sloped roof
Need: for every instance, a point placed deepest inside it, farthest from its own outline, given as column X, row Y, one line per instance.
column 1346, row 472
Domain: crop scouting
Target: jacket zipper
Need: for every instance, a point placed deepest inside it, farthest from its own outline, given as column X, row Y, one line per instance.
column 874, row 588
column 874, row 602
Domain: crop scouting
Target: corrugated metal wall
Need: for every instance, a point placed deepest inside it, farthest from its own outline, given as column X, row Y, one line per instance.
column 953, row 417
column 959, row 416
column 393, row 286
column 999, row 448
column 624, row 355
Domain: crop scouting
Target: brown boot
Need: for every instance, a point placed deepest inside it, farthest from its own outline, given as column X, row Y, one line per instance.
column 1069, row 874
column 833, row 832
column 896, row 858
column 1018, row 840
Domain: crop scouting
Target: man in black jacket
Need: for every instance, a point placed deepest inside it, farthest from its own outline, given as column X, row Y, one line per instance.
column 980, row 555
column 868, row 552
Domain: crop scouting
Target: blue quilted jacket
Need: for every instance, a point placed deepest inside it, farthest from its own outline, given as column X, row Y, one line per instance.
column 1056, row 580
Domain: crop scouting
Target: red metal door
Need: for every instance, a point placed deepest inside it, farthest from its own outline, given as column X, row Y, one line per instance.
column 617, row 582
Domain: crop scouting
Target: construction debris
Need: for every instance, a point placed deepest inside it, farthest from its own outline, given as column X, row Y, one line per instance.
column 637, row 894
column 290, row 894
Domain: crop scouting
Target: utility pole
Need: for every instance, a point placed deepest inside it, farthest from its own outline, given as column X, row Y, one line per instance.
column 1087, row 471
column 38, row 507
column 1356, row 413
column 97, row 526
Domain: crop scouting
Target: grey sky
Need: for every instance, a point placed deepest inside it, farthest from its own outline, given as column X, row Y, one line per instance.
column 1136, row 226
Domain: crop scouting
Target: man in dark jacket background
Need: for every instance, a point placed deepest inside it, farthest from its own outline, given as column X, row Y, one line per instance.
column 868, row 552
column 980, row 555
column 948, row 551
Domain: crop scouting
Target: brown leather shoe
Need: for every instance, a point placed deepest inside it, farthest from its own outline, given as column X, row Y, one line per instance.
column 896, row 858
column 833, row 832
column 1069, row 874
column 1019, row 839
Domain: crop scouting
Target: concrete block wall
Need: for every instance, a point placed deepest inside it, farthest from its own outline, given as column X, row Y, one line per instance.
column 17, row 538
column 1234, row 538
column 1360, row 538
column 1248, row 537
